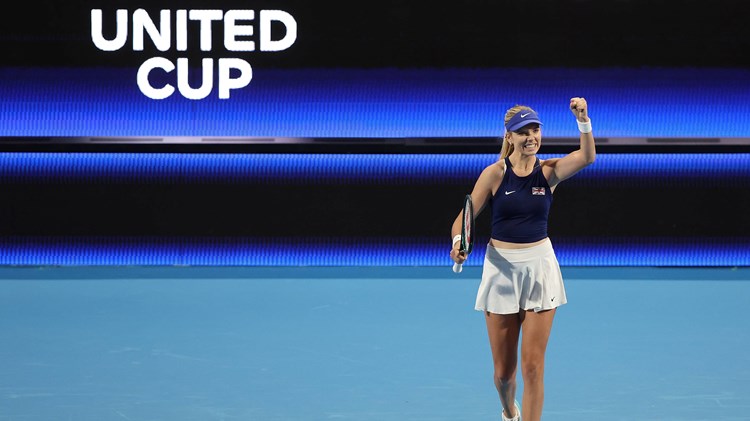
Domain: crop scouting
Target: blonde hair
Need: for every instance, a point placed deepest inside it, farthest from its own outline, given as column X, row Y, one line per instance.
column 507, row 147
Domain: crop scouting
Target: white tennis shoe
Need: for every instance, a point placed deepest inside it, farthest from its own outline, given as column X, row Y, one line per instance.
column 518, row 413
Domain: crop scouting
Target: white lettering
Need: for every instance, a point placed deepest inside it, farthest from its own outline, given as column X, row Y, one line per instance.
column 268, row 16
column 121, row 36
column 233, row 73
column 232, row 30
column 180, row 24
column 162, row 38
column 142, row 78
column 205, row 17
column 183, row 74
column 226, row 83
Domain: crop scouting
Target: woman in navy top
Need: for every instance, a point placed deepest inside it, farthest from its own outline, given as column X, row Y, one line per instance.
column 521, row 280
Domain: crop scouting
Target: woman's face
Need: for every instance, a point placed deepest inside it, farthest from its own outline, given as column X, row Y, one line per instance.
column 527, row 139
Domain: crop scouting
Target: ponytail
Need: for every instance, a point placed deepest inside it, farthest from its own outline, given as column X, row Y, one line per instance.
column 506, row 150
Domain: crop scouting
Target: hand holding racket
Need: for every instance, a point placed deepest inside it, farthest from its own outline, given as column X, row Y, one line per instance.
column 467, row 232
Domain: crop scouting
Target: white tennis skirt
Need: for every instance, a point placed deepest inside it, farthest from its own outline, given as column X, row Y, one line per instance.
column 515, row 279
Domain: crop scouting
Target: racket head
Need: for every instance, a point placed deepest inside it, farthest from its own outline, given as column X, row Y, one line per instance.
column 467, row 226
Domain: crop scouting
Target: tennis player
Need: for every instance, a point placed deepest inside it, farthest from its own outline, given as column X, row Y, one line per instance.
column 522, row 285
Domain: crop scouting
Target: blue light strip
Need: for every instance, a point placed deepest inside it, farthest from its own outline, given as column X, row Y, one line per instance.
column 171, row 168
column 365, row 103
column 144, row 251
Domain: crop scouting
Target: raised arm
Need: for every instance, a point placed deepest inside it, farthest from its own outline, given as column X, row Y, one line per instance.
column 567, row 166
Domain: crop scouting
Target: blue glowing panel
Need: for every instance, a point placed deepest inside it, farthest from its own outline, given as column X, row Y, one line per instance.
column 732, row 252
column 170, row 168
column 728, row 171
column 627, row 102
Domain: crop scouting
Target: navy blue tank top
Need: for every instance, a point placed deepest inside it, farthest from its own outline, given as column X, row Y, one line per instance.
column 520, row 207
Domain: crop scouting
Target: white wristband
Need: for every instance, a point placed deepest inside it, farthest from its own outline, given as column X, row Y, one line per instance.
column 456, row 239
column 584, row 126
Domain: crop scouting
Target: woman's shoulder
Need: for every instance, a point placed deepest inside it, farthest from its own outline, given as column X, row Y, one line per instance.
column 549, row 162
column 491, row 177
column 495, row 170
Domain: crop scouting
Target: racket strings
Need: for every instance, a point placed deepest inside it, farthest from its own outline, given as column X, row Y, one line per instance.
column 468, row 223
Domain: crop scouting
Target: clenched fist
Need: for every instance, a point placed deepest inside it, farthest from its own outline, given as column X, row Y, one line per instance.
column 580, row 109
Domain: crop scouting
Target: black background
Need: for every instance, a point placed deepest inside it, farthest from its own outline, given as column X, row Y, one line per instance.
column 389, row 33
column 642, row 207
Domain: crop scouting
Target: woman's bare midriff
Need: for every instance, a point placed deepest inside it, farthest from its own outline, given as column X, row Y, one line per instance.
column 506, row 245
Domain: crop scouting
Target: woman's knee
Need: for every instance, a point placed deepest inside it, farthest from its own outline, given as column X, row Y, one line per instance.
column 533, row 370
column 504, row 377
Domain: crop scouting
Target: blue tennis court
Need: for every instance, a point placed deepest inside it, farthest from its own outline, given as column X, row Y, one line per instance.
column 359, row 343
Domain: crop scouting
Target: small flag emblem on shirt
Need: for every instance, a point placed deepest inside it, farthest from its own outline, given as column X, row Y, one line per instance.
column 538, row 191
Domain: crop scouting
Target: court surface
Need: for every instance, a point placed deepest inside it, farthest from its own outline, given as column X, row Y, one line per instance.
column 205, row 344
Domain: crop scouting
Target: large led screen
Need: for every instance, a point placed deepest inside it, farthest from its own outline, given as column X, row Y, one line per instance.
column 334, row 69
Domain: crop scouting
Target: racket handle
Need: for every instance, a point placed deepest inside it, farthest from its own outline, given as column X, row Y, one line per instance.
column 458, row 267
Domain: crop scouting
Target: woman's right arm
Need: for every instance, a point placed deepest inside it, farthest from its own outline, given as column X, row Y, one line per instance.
column 487, row 182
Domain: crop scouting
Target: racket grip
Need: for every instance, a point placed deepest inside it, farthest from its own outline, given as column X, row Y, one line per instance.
column 458, row 267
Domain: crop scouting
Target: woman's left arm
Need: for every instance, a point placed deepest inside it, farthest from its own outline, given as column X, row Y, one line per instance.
column 565, row 167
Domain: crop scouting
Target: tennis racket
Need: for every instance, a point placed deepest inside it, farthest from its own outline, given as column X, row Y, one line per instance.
column 467, row 231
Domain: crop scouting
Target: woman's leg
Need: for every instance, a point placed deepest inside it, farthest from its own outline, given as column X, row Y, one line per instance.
column 536, row 329
column 503, row 330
